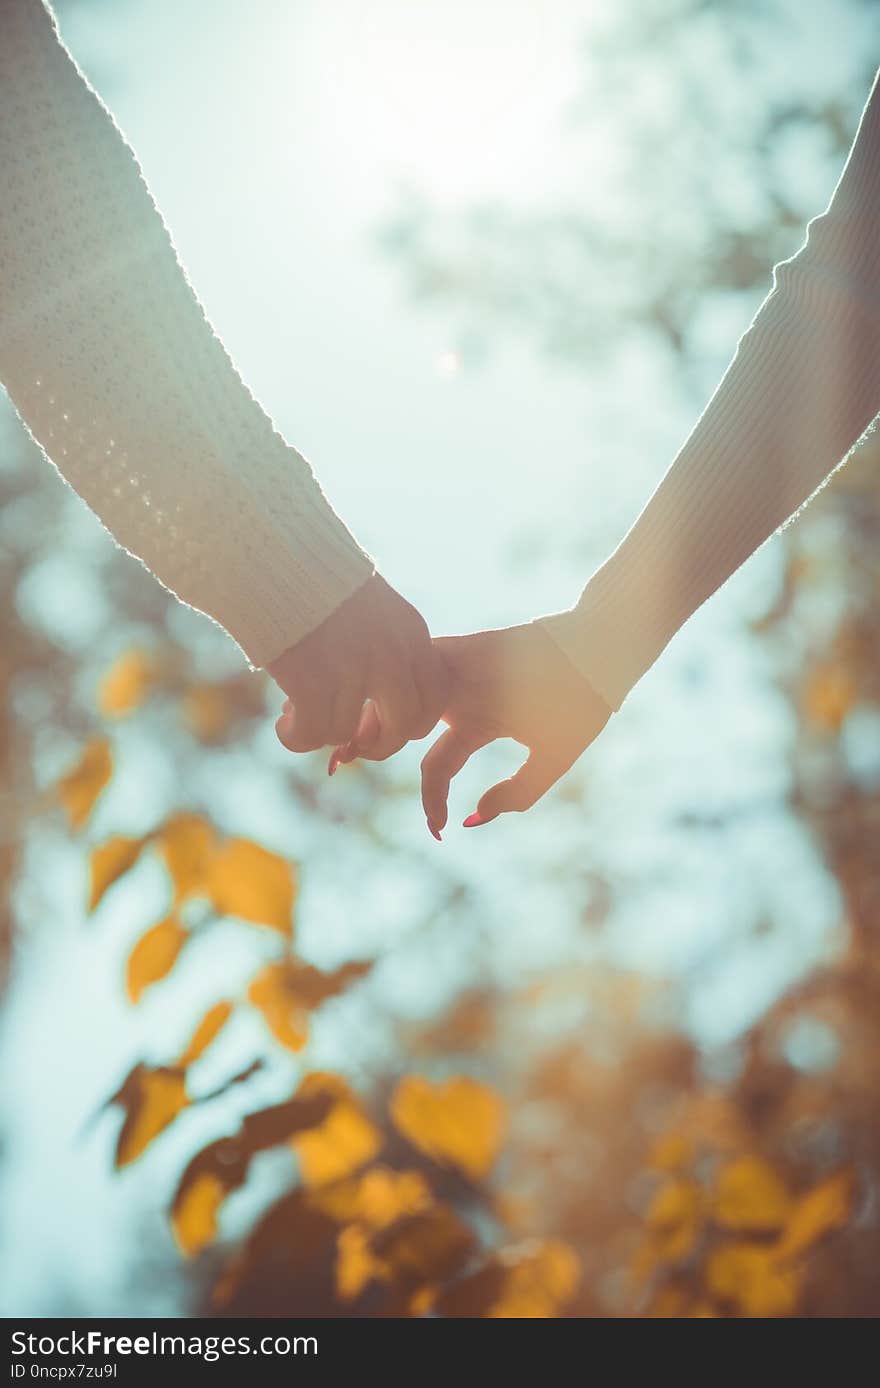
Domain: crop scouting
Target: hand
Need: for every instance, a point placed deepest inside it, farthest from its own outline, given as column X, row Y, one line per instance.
column 510, row 683
column 375, row 646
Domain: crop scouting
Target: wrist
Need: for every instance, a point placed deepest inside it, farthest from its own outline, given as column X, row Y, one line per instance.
column 618, row 627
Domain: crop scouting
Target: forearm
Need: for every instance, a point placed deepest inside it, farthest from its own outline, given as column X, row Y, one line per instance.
column 802, row 388
column 110, row 361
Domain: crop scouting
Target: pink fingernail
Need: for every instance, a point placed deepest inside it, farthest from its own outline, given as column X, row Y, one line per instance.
column 435, row 831
column 473, row 820
column 333, row 763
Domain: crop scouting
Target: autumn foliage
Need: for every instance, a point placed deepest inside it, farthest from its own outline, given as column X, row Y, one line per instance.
column 561, row 1146
column 429, row 1193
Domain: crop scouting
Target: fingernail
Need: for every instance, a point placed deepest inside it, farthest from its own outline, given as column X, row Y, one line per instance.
column 435, row 831
column 473, row 820
column 333, row 763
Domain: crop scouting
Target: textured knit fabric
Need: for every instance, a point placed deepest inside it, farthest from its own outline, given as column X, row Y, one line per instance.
column 803, row 387
column 111, row 363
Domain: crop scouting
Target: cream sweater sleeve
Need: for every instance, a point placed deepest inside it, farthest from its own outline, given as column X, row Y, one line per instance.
column 110, row 361
column 803, row 387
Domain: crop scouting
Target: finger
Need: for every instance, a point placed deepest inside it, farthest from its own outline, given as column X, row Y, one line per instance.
column 398, row 710
column 304, row 726
column 364, row 737
column 348, row 706
column 433, row 683
column 522, row 790
column 444, row 760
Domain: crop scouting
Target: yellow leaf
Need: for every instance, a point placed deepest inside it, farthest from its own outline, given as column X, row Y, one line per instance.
column 375, row 1199
column 194, row 1218
column 288, row 1022
column 153, row 956
column 155, row 1099
column 539, row 1280
column 345, row 1141
column 248, row 881
column 286, row 993
column 80, row 788
column 206, row 712
column 422, row 1301
column 674, row 1218
column 671, row 1152
column 829, row 695
column 750, row 1195
column 457, row 1121
column 356, row 1264
column 750, row 1276
column 385, row 1196
column 213, row 1021
column 126, row 684
column 342, row 1143
column 187, row 843
column 108, row 862
column 826, row 1207
column 428, row 1247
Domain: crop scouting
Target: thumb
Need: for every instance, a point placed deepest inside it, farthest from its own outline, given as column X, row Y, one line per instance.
column 534, row 778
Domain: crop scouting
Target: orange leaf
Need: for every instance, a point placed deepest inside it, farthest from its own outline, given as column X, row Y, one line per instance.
column 194, row 1217
column 286, row 993
column 287, row 1021
column 213, row 1022
column 343, row 1142
column 154, row 955
column 750, row 1195
column 152, row 1099
column 750, row 1276
column 108, row 862
column 187, row 843
column 80, row 788
column 126, row 684
column 356, row 1264
column 825, row 1207
column 222, row 1167
column 248, row 881
column 457, row 1121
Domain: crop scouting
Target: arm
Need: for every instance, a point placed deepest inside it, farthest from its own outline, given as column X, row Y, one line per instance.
column 112, row 365
column 803, row 387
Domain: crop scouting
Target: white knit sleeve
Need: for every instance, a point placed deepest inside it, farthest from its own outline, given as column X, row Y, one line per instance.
column 111, row 363
column 802, row 389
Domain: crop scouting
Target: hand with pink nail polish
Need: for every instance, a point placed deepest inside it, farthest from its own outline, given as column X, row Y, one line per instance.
column 368, row 672
column 511, row 683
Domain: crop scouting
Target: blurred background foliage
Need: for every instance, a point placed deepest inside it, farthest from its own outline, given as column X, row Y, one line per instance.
column 625, row 1064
